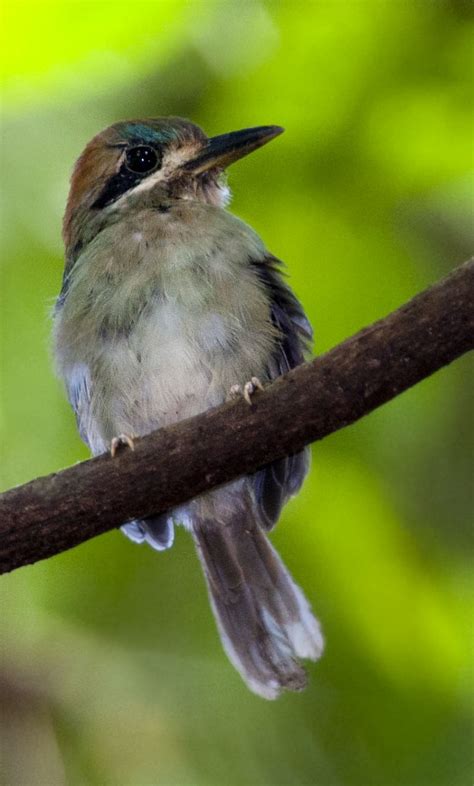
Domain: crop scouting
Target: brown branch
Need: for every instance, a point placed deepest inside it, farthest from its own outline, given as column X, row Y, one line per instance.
column 54, row 513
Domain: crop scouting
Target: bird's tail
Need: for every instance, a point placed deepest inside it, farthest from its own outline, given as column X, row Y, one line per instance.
column 264, row 619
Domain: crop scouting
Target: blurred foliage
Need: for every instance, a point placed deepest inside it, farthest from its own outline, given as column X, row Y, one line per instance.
column 111, row 669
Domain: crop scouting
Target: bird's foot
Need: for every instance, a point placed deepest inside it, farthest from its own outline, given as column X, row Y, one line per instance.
column 122, row 439
column 247, row 391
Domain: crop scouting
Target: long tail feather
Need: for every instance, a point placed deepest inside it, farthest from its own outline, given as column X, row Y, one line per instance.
column 264, row 620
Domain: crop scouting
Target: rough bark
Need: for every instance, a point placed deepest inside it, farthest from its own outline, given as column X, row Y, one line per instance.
column 54, row 513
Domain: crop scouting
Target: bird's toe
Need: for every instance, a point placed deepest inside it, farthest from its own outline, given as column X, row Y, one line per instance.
column 122, row 439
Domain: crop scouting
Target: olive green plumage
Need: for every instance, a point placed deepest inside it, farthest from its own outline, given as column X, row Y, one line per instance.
column 167, row 302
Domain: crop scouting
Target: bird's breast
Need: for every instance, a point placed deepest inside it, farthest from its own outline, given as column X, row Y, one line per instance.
column 164, row 324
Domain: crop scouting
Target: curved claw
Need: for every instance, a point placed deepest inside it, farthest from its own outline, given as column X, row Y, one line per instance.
column 248, row 390
column 235, row 391
column 122, row 439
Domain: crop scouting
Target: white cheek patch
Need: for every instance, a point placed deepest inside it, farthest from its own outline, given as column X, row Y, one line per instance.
column 145, row 185
column 224, row 195
column 173, row 159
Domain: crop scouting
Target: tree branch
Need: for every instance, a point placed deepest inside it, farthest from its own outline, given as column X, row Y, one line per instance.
column 55, row 513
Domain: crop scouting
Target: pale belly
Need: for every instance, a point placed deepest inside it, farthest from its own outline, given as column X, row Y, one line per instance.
column 159, row 328
column 172, row 366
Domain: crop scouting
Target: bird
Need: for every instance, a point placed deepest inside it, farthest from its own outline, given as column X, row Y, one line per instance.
column 171, row 305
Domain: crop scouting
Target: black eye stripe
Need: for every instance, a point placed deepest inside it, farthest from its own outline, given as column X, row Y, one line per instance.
column 117, row 185
column 144, row 158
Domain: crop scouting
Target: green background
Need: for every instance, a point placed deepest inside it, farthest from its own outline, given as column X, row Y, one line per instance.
column 111, row 670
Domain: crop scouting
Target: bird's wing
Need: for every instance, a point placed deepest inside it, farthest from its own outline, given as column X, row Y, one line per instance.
column 78, row 391
column 274, row 484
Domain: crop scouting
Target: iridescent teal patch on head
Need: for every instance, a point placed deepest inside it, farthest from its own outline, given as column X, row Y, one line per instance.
column 142, row 132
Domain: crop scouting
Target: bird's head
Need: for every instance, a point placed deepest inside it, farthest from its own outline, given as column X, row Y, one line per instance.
column 166, row 157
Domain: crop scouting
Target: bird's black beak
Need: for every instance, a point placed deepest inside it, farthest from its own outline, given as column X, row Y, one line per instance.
column 220, row 151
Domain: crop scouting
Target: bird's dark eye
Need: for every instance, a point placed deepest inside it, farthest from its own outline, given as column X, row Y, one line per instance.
column 141, row 159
